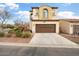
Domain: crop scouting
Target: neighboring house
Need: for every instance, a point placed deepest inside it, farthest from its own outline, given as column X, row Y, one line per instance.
column 44, row 20
column 70, row 26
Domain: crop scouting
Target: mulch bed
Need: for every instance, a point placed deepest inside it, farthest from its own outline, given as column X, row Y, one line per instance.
column 74, row 38
column 15, row 40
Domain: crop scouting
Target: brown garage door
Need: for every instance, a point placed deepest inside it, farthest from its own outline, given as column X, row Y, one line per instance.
column 45, row 28
column 75, row 29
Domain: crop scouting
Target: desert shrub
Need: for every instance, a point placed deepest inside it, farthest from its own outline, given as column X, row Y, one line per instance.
column 10, row 26
column 8, row 35
column 11, row 31
column 28, row 30
column 17, row 29
column 18, row 33
column 2, row 34
column 26, row 34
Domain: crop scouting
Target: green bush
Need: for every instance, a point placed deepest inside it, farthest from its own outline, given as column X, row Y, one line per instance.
column 11, row 31
column 16, row 29
column 26, row 34
column 2, row 34
column 18, row 33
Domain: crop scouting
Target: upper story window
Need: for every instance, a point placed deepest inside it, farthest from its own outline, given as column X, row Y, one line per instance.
column 45, row 13
column 36, row 14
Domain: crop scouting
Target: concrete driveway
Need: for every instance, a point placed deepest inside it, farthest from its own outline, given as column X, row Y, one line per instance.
column 50, row 38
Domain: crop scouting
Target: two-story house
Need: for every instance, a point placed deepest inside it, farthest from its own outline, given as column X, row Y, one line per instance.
column 43, row 19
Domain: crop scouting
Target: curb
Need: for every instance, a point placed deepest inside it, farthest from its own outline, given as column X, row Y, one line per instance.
column 40, row 45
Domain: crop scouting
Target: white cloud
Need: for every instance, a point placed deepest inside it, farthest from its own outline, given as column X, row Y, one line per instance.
column 67, row 4
column 12, row 5
column 24, row 14
column 67, row 14
column 1, row 5
column 1, row 9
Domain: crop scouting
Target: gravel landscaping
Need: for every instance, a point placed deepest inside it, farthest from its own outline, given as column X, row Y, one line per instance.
column 74, row 38
column 15, row 35
column 15, row 40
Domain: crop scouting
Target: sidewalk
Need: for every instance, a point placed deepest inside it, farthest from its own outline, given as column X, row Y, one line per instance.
column 30, row 45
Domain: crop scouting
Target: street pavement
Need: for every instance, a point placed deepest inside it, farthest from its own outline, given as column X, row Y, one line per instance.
column 37, row 51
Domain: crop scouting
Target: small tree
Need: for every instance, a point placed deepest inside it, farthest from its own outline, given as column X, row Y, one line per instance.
column 4, row 16
column 18, row 22
column 21, row 24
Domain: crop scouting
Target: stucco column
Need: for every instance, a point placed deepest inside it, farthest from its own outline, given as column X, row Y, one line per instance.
column 33, row 28
column 57, row 28
column 71, row 29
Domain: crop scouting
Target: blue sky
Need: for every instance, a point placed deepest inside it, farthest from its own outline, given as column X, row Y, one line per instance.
column 61, row 6
column 21, row 10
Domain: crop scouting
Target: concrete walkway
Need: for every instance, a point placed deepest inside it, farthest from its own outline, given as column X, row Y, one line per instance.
column 50, row 38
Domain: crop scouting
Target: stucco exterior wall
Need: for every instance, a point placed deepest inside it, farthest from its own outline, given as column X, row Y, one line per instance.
column 38, row 13
column 34, row 14
column 34, row 25
column 51, row 13
column 65, row 26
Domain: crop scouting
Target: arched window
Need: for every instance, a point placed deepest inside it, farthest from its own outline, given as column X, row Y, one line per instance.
column 45, row 13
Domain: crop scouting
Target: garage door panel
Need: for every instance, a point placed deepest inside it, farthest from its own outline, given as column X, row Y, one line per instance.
column 45, row 28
